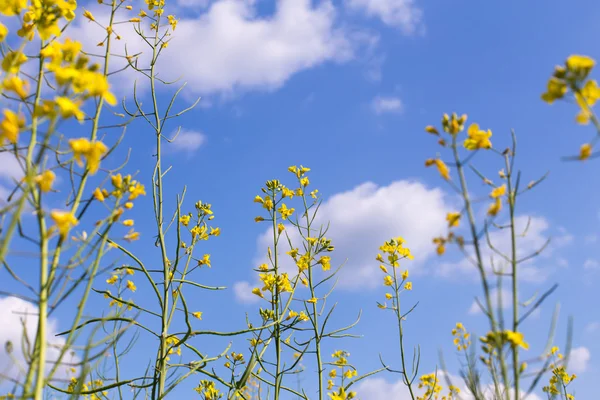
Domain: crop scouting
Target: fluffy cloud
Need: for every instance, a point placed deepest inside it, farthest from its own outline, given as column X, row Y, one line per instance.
column 536, row 230
column 230, row 47
column 403, row 14
column 187, row 141
column 591, row 264
column 10, row 171
column 578, row 360
column 380, row 389
column 14, row 314
column 382, row 105
column 592, row 327
column 363, row 218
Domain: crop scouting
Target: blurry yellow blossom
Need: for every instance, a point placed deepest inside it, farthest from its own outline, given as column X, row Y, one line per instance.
column 441, row 167
column 131, row 286
column 585, row 152
column 10, row 126
column 453, row 219
column 45, row 180
column 91, row 151
column 478, row 139
column 64, row 221
column 197, row 314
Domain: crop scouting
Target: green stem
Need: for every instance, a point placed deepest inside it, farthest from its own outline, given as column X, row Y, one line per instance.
column 277, row 326
column 515, row 295
column 407, row 380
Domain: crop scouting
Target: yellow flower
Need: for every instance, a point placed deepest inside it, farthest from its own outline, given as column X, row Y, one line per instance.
column 12, row 62
column 98, row 195
column 112, row 280
column 516, row 339
column 64, row 221
column 453, row 124
column 10, row 126
column 408, row 286
column 325, row 262
column 129, row 271
column 498, row 192
column 131, row 236
column 205, row 260
column 136, row 190
column 388, row 280
column 312, row 300
column 453, row 219
column 16, row 85
column 185, row 220
column 3, row 32
column 88, row 15
column 495, row 208
column 197, row 314
column 478, row 139
column 67, row 108
column 585, row 152
column 441, row 167
column 285, row 212
column 129, row 205
column 580, row 65
column 557, row 88
column 45, row 180
column 128, row 222
column 172, row 21
column 431, row 129
column 91, row 151
column 405, row 275
column 131, row 286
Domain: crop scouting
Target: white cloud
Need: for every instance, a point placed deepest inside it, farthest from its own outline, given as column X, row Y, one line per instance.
column 10, row 170
column 12, row 311
column 403, row 14
column 363, row 218
column 231, row 47
column 243, row 292
column 591, row 264
column 534, row 239
column 592, row 327
column 187, row 141
column 380, row 389
column 382, row 105
column 578, row 359
column 589, row 239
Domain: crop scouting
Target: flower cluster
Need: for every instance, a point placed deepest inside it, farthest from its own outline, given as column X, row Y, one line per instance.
column 208, row 390
column 461, row 337
column 560, row 378
column 572, row 77
column 346, row 373
column 433, row 389
column 395, row 251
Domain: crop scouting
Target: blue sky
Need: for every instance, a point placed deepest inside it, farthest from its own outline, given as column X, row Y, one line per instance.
column 346, row 89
